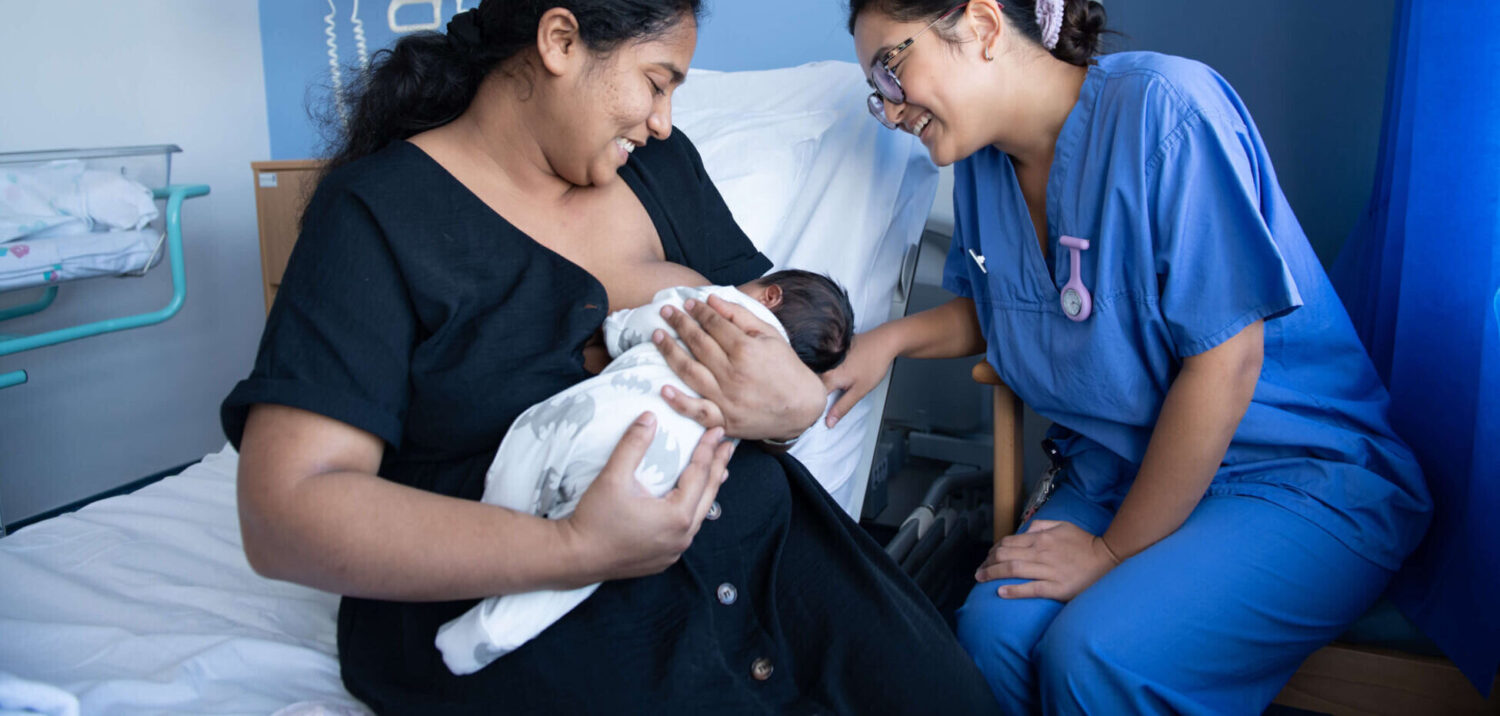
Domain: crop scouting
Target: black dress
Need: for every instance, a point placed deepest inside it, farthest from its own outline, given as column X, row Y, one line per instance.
column 412, row 310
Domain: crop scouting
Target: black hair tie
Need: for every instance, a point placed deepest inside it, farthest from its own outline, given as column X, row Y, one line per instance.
column 464, row 30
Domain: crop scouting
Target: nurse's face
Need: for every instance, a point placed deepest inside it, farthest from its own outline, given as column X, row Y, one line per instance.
column 939, row 77
column 606, row 105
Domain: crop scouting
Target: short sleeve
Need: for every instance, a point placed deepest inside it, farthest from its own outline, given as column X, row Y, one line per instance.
column 339, row 339
column 956, row 267
column 720, row 250
column 1217, row 262
column 956, row 270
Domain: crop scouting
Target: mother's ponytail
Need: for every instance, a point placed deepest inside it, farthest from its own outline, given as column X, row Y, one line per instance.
column 428, row 79
column 423, row 82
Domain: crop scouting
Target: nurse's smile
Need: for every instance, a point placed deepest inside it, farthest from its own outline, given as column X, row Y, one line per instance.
column 920, row 126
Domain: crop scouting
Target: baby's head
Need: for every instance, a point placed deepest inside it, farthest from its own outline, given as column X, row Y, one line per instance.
column 813, row 309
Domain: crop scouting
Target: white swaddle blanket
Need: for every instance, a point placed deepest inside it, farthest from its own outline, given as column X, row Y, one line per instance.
column 60, row 221
column 63, row 198
column 556, row 448
column 23, row 697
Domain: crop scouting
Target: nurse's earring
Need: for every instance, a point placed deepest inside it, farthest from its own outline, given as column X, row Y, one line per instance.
column 987, row 56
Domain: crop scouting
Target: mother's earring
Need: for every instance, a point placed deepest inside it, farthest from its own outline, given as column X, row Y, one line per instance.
column 987, row 56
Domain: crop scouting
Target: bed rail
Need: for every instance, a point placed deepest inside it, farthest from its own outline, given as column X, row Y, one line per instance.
column 175, row 195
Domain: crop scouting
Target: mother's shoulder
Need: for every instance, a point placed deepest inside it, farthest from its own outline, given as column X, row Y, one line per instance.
column 398, row 162
column 677, row 148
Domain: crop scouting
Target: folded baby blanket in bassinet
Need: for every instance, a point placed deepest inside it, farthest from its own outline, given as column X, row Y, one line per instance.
column 60, row 221
column 64, row 258
column 63, row 198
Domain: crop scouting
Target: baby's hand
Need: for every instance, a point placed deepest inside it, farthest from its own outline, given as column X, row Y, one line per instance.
column 595, row 355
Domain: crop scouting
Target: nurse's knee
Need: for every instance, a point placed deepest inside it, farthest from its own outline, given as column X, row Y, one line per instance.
column 1084, row 660
column 987, row 623
column 1000, row 635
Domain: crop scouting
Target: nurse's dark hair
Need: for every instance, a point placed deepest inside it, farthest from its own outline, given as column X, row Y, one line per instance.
column 1078, row 42
column 427, row 79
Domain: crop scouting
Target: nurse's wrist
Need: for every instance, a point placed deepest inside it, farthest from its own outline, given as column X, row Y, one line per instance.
column 890, row 340
column 1101, row 545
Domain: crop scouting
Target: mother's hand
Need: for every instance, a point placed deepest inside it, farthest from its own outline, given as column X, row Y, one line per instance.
column 619, row 530
column 751, row 381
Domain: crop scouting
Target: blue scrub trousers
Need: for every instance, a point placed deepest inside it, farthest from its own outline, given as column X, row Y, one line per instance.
column 1211, row 620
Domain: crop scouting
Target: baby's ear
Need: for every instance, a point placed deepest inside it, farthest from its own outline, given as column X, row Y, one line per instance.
column 772, row 298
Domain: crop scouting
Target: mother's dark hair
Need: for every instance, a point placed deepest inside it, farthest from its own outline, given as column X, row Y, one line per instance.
column 427, row 79
column 1077, row 43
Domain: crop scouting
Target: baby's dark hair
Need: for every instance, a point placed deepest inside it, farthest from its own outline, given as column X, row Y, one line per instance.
column 816, row 314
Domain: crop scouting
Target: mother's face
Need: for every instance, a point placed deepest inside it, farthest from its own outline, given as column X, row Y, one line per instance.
column 603, row 106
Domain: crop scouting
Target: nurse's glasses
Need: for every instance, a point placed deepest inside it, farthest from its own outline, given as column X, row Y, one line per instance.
column 883, row 78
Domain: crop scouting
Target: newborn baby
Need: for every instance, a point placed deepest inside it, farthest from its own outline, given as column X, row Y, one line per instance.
column 555, row 449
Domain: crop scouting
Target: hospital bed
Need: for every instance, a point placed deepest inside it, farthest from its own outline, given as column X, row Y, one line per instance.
column 144, row 602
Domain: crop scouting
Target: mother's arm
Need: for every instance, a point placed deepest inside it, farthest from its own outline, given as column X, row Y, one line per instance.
column 313, row 511
column 751, row 381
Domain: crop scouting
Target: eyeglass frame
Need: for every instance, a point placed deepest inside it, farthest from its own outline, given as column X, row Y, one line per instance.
column 877, row 99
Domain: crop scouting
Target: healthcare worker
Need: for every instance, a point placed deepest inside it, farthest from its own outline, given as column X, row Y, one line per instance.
column 1230, row 495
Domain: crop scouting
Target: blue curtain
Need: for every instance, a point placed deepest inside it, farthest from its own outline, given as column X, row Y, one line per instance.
column 1421, row 279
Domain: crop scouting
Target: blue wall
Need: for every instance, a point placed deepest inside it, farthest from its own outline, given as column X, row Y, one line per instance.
column 1313, row 74
column 736, row 35
column 762, row 34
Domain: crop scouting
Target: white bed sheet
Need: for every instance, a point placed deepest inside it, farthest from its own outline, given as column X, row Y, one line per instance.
column 144, row 603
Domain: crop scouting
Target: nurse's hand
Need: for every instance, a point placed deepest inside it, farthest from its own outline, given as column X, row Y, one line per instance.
column 752, row 383
column 1059, row 558
column 947, row 331
column 619, row 530
column 869, row 358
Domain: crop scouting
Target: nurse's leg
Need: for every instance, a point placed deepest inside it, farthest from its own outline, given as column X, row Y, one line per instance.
column 1000, row 634
column 1211, row 620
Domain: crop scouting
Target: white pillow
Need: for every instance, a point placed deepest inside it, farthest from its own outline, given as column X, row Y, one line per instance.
column 819, row 185
column 758, row 161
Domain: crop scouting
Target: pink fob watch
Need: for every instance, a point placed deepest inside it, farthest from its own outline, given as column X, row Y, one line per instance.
column 1077, row 304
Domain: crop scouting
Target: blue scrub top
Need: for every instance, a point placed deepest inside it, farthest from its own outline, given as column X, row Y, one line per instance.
column 1161, row 168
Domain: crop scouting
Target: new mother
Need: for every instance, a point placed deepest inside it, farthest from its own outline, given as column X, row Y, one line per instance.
column 497, row 191
column 1231, row 494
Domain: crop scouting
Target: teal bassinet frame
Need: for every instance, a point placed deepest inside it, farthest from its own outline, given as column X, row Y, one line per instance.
column 174, row 194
